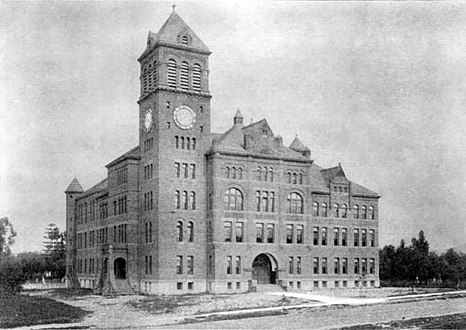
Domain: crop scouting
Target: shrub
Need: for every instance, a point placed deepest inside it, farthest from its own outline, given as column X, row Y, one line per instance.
column 11, row 275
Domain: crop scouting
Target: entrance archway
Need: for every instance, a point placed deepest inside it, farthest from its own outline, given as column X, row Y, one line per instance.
column 120, row 268
column 264, row 269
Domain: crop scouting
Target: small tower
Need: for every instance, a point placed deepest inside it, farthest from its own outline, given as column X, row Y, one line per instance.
column 298, row 146
column 74, row 189
column 238, row 119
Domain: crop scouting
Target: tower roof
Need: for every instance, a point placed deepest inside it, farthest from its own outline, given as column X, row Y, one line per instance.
column 74, row 187
column 172, row 33
column 297, row 145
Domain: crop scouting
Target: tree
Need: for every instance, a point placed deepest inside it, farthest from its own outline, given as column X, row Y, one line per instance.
column 55, row 250
column 7, row 236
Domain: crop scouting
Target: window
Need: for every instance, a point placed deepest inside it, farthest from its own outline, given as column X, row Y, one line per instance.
column 194, row 142
column 185, row 200
column 363, row 237
column 258, row 201
column 270, row 232
column 315, row 209
column 227, row 231
column 356, row 237
column 190, row 231
column 324, row 209
column 238, row 265
column 239, row 232
column 192, row 200
column 227, row 172
column 184, row 75
column 315, row 265
column 185, row 170
column 344, row 266
column 229, row 264
column 336, row 267
column 259, row 232
column 371, row 213
column 179, row 231
column 356, row 212
column 177, row 170
column 238, row 285
column 240, row 173
column 290, row 265
column 171, row 73
column 356, row 265
column 264, row 203
column 177, row 142
column 190, row 266
column 336, row 210
column 344, row 237
column 259, row 173
column 299, row 234
column 324, row 265
column 271, row 174
column 316, row 235
column 179, row 285
column 289, row 234
column 336, row 236
column 324, row 236
column 190, row 285
column 372, row 266
column 295, row 203
column 371, row 238
column 344, row 211
column 179, row 264
column 177, row 200
column 233, row 200
column 272, row 201
column 298, row 265
column 364, row 265
column 197, row 78
column 364, row 212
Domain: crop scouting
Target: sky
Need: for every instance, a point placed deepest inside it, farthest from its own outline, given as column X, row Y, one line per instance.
column 378, row 86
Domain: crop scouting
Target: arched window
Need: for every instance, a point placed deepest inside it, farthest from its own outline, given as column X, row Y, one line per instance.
column 240, row 173
column 289, row 177
column 185, row 200
column 177, row 199
column 295, row 178
column 271, row 174
column 364, row 212
column 259, row 173
column 184, row 76
column 194, row 144
column 182, row 142
column 192, row 200
column 233, row 200
column 300, row 178
column 197, row 77
column 324, row 209
column 190, row 231
column 265, row 174
column 177, row 142
column 188, row 143
column 371, row 213
column 233, row 172
column 228, row 172
column 315, row 209
column 179, row 231
column 336, row 210
column 356, row 212
column 344, row 211
column 295, row 203
column 171, row 73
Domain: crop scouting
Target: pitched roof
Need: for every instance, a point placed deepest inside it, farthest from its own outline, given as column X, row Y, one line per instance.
column 134, row 153
column 357, row 189
column 297, row 145
column 102, row 186
column 333, row 172
column 74, row 187
column 170, row 32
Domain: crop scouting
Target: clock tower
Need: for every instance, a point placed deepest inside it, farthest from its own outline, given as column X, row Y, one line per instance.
column 174, row 121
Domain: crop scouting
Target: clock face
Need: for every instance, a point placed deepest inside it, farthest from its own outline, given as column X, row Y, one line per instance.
column 148, row 120
column 184, row 117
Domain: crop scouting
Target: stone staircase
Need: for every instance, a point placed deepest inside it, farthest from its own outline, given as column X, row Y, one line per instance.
column 269, row 288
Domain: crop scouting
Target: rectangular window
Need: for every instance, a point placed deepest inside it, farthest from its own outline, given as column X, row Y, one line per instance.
column 324, row 236
column 315, row 265
column 336, row 267
column 344, row 236
column 272, row 201
column 316, row 284
column 190, row 285
column 356, row 265
column 177, row 170
column 179, row 264
column 270, row 232
column 364, row 265
column 363, row 237
column 372, row 266
column 227, row 231
column 299, row 234
column 289, row 234
column 356, row 237
column 259, row 232
column 344, row 266
column 258, row 201
column 190, row 266
column 316, row 235
column 229, row 264
column 336, row 236
column 179, row 286
column 298, row 265
column 239, row 232
column 264, row 202
column 238, row 285
column 324, row 265
column 290, row 265
column 238, row 265
column 371, row 238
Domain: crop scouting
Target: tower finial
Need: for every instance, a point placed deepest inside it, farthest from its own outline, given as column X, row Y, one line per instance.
column 174, row 6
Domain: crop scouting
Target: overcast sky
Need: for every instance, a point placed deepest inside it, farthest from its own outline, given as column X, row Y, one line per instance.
column 377, row 86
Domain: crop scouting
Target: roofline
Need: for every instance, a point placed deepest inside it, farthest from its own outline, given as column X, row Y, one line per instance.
column 233, row 153
column 123, row 157
column 179, row 47
column 172, row 90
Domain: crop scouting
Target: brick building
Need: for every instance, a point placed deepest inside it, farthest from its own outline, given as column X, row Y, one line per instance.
column 188, row 210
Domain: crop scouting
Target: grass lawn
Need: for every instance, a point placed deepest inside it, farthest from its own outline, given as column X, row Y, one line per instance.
column 454, row 321
column 23, row 310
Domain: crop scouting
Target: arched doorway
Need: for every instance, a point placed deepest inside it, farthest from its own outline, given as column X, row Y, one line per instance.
column 120, row 268
column 264, row 269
